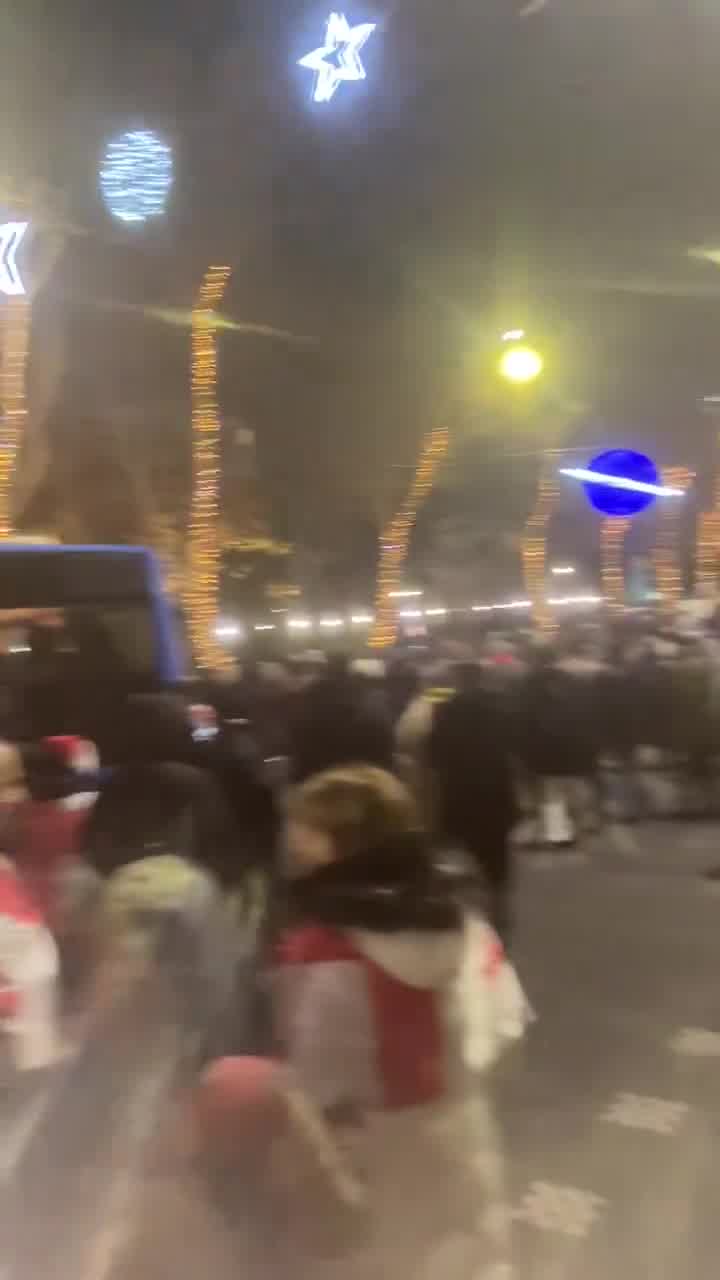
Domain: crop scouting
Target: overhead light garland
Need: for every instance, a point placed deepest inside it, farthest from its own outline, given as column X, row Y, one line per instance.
column 202, row 595
column 668, row 572
column 534, row 542
column 395, row 539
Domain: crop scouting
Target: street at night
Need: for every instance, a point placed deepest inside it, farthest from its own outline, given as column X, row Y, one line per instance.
column 359, row 640
column 610, row 1111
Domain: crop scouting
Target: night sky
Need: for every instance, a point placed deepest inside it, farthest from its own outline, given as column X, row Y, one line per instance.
column 551, row 170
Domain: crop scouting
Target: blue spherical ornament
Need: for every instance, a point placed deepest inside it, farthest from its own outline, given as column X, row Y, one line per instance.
column 625, row 464
column 136, row 175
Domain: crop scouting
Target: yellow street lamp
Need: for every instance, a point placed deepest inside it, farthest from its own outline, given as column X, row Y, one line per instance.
column 520, row 364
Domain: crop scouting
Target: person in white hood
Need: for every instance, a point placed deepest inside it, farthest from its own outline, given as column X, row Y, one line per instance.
column 390, row 1002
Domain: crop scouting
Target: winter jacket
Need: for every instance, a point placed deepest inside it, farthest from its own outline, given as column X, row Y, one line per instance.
column 469, row 752
column 389, row 1003
column 29, row 971
column 557, row 719
column 165, row 808
column 339, row 721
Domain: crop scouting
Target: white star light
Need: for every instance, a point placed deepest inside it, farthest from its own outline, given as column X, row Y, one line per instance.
column 11, row 233
column 339, row 57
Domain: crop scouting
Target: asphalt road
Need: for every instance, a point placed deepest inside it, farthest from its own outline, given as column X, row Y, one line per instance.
column 609, row 1112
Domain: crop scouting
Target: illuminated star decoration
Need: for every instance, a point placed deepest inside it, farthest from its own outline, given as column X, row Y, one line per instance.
column 339, row 57
column 11, row 234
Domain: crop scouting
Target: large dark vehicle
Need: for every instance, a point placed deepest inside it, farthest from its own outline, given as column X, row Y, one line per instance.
column 81, row 628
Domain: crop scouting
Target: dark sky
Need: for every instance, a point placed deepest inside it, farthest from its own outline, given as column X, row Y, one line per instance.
column 551, row 170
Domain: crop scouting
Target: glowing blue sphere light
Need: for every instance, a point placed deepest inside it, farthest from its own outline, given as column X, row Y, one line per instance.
column 136, row 175
column 621, row 482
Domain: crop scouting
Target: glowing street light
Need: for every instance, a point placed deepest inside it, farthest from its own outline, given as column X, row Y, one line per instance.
column 520, row 364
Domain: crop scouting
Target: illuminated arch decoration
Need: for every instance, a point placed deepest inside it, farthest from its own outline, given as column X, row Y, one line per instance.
column 395, row 538
column 136, row 176
column 668, row 571
column 534, row 542
column 202, row 594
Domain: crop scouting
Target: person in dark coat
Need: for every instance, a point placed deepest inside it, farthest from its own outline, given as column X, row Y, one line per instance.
column 157, row 729
column 468, row 752
column 561, row 726
column 339, row 719
column 402, row 685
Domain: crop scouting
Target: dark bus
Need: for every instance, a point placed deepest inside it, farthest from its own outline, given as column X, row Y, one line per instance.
column 81, row 626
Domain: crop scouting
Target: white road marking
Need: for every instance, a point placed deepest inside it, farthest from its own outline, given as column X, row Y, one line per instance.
column 696, row 1042
column 567, row 1211
column 651, row 1115
column 20, row 1135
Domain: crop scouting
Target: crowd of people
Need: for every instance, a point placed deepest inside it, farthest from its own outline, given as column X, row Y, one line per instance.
column 312, row 866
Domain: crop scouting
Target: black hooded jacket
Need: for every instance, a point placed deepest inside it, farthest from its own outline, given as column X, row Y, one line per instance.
column 339, row 720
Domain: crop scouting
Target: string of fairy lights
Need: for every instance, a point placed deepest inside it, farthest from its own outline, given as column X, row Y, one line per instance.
column 202, row 594
column 534, row 542
column 395, row 538
column 613, row 532
column 707, row 544
column 15, row 344
column 135, row 180
column 414, row 620
column 15, row 338
column 666, row 558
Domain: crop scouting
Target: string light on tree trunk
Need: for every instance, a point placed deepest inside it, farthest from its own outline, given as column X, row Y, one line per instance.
column 15, row 339
column 395, row 539
column 534, row 543
column 202, row 596
column 707, row 545
column 668, row 572
column 13, row 399
column 612, row 559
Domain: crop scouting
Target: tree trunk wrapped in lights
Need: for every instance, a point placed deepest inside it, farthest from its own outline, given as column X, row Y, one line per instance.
column 34, row 203
column 534, row 543
column 13, row 400
column 612, row 559
column 668, row 571
column 395, row 538
column 707, row 544
column 202, row 593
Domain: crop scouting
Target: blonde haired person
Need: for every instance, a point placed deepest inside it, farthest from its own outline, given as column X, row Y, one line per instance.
column 390, row 1005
